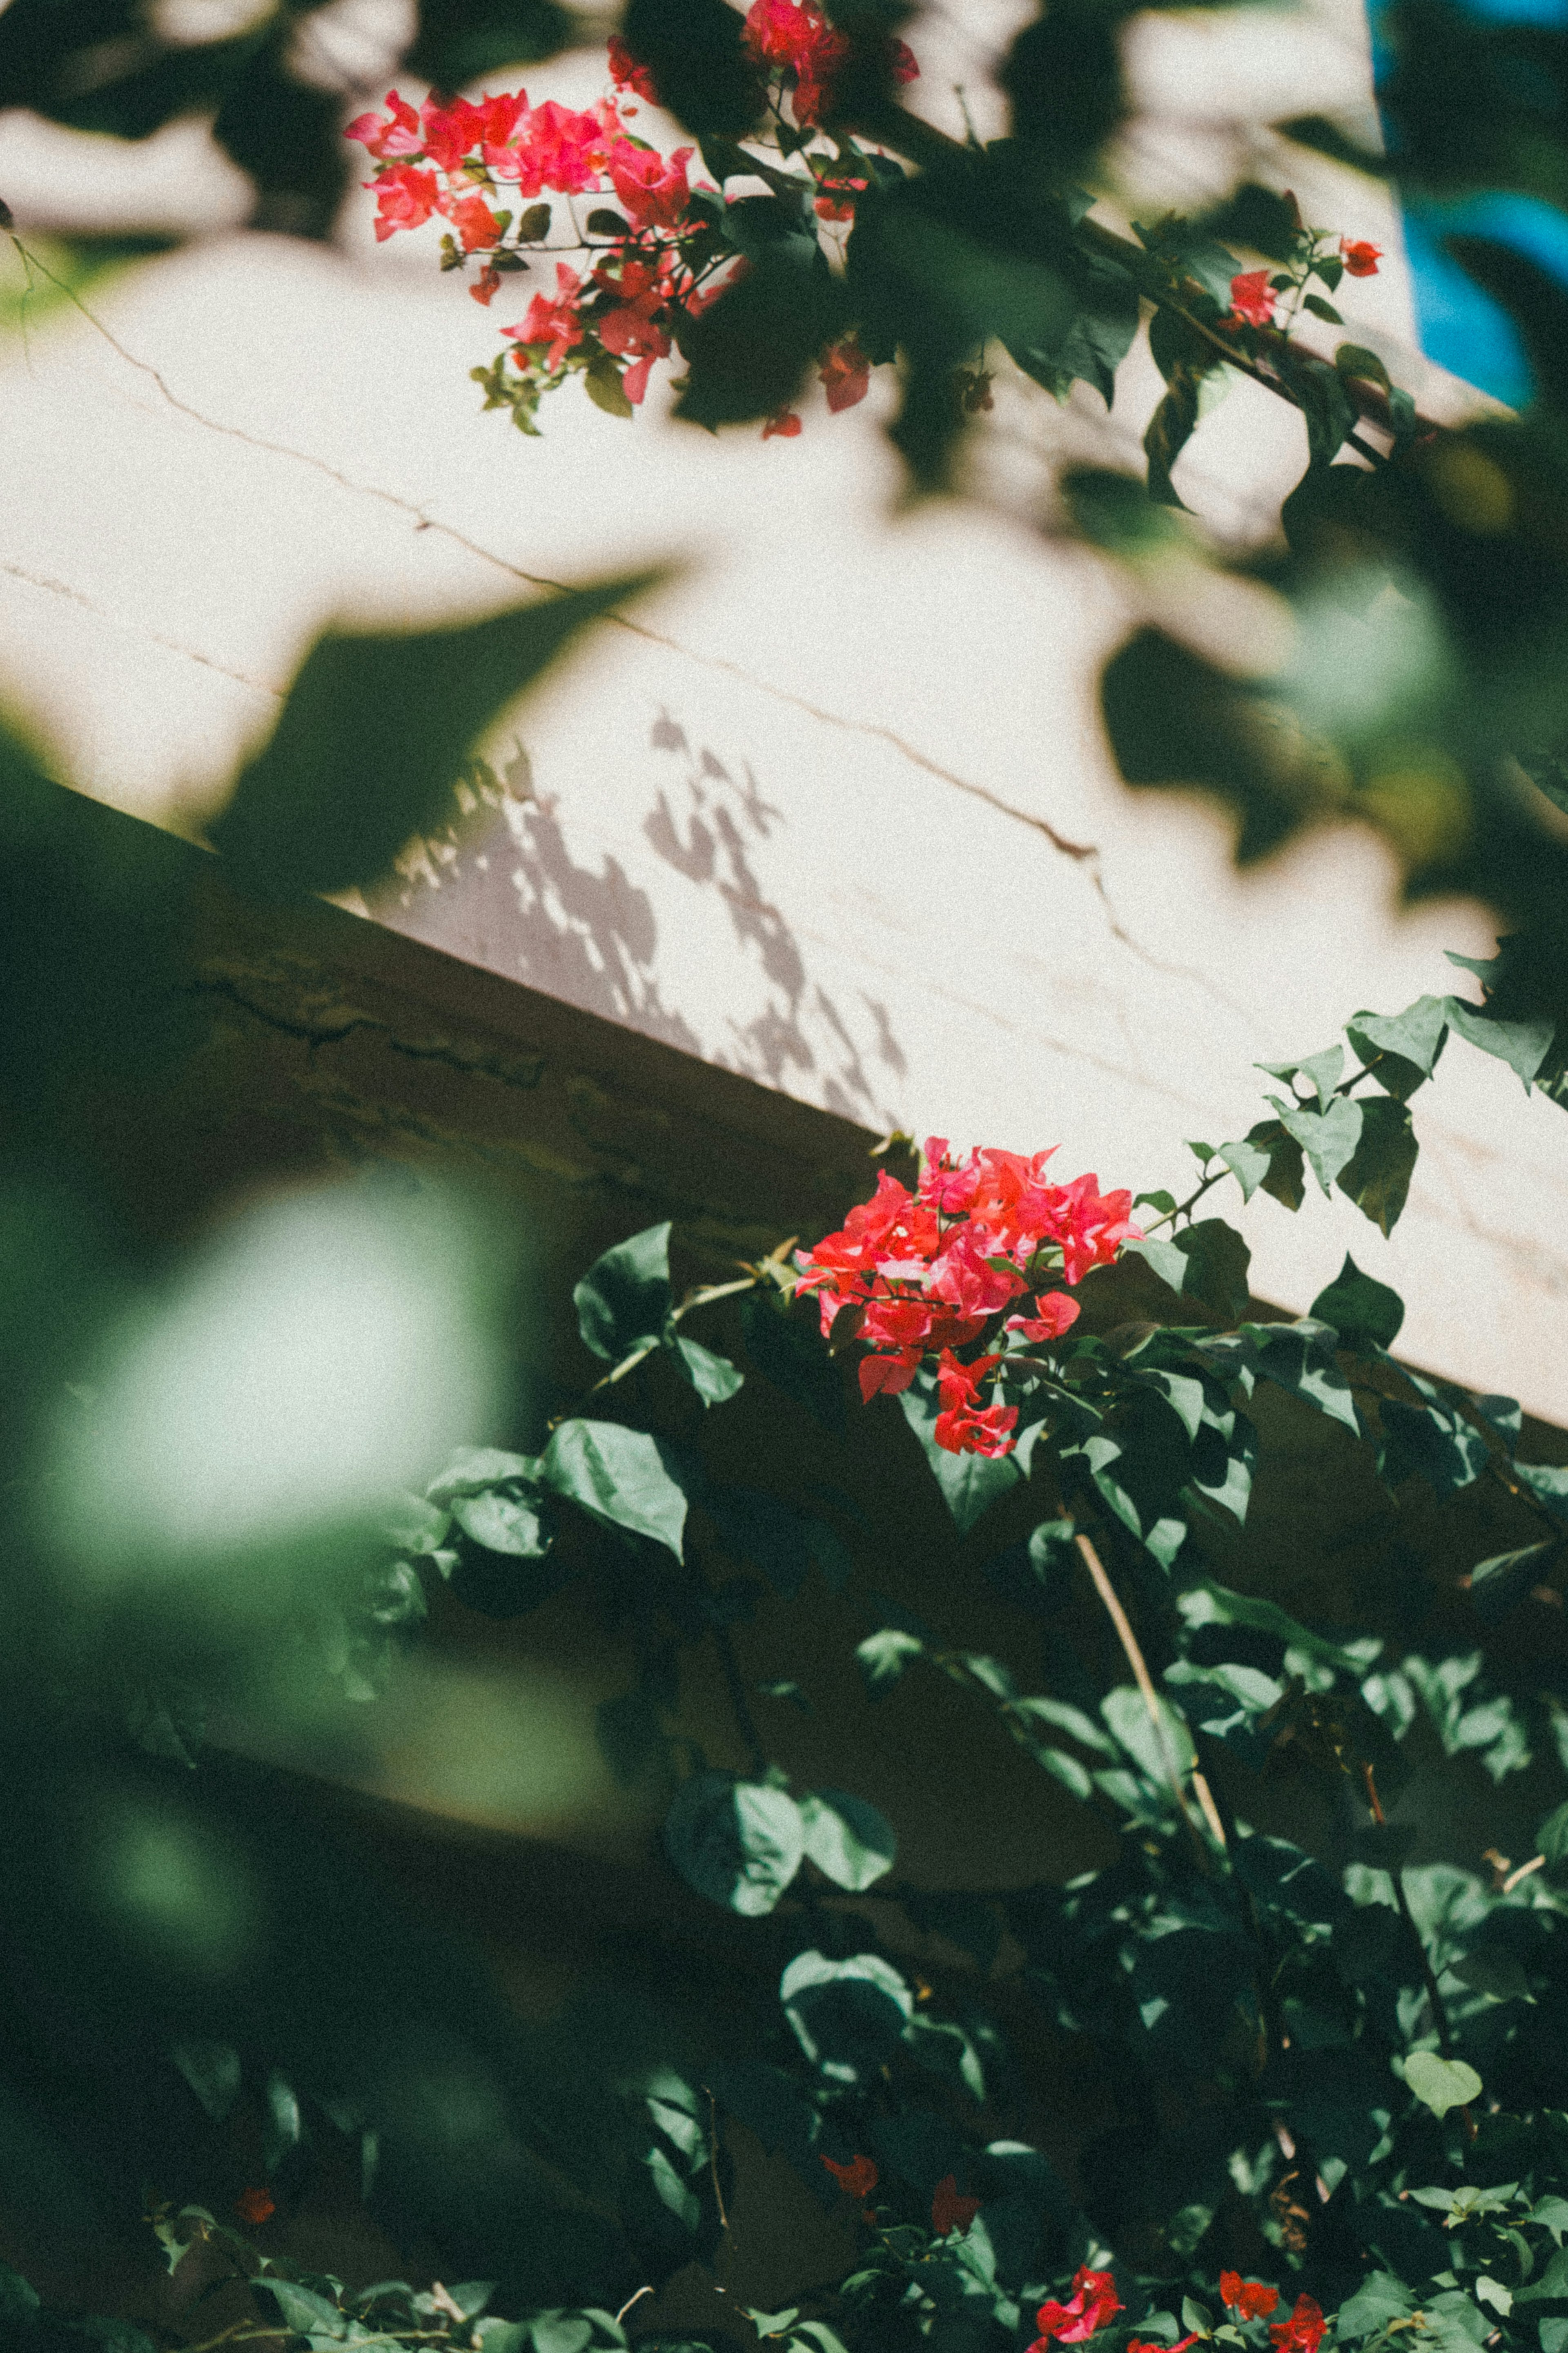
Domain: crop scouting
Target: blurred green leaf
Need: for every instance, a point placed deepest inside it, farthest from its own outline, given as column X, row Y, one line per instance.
column 375, row 731
column 1360, row 1308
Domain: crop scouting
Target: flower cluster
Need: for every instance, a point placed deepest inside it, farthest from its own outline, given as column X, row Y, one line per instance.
column 654, row 258
column 930, row 1273
column 1255, row 294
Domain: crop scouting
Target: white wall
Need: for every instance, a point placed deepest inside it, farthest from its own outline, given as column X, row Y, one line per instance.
column 834, row 809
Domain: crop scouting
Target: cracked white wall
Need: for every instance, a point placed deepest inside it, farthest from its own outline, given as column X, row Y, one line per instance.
column 832, row 809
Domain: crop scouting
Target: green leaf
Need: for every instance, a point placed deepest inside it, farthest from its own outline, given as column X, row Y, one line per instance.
column 1354, row 360
column 602, row 379
column 1209, row 1604
column 1441, row 2083
column 1321, row 1071
column 1522, row 1045
column 883, row 1656
column 1248, row 1163
column 618, row 1476
column 624, row 1298
column 848, row 2016
column 1433, row 1442
column 475, row 1468
column 1549, row 1486
column 1401, row 1049
column 1379, row 2299
column 738, row 1842
column 714, row 1377
column 1325, row 404
column 1360, row 1308
column 1552, row 1838
column 19, row 2307
column 1378, row 1175
column 282, row 2126
column 1169, row 430
column 1321, row 310
column 1299, row 1357
column 213, row 2072
column 503, row 1523
column 970, row 1482
column 1208, row 1261
column 373, row 732
column 302, row 2308
column 847, row 1839
column 1329, row 1138
column 789, row 1350
column 1496, row 1585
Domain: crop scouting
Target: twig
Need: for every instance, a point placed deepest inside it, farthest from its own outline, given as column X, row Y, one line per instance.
column 1536, row 1863
column 713, row 2159
column 1129, row 1641
column 635, row 2298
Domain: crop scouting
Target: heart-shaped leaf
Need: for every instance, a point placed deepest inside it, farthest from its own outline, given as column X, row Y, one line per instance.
column 1441, row 2083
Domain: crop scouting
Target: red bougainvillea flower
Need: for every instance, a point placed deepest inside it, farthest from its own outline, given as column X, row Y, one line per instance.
column 477, row 227
column 858, row 2178
column 1248, row 2299
column 1054, row 1314
column 949, row 2209
column 652, row 189
column 962, row 1427
column 836, row 201
column 399, row 134
column 1136, row 2344
column 1360, row 258
column 627, row 74
column 255, row 2206
column 1093, row 2300
column 487, row 286
column 553, row 320
column 405, row 198
column 1304, row 2331
column 795, row 37
column 786, row 424
column 1252, row 299
column 846, row 373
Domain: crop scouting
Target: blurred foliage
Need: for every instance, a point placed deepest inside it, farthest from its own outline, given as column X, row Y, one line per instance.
column 1302, row 2030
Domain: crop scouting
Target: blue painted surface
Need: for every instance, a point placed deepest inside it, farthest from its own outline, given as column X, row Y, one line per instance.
column 1458, row 325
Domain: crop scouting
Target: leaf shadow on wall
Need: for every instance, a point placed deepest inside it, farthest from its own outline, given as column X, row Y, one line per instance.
column 500, row 888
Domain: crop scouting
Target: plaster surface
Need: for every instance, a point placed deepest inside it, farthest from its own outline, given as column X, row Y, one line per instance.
column 833, row 807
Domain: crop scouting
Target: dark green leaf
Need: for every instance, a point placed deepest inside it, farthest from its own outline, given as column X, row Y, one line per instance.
column 473, row 1469
column 970, row 1482
column 1522, row 1045
column 1433, row 1442
column 1402, row 1049
column 624, row 1298
column 739, row 1842
column 1168, row 431
column 617, row 1475
column 213, row 2073
column 1378, row 1175
column 1321, row 310
column 704, row 73
column 464, row 41
column 373, row 732
column 790, row 1352
column 1552, row 1838
column 848, row 2016
column 1549, row 1486
column 1359, row 1308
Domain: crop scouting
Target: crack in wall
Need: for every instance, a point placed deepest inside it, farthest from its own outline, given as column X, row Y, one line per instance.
column 1087, row 854
column 523, row 1072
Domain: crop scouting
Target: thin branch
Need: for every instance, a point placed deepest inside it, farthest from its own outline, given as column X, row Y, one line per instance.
column 1135, row 1659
